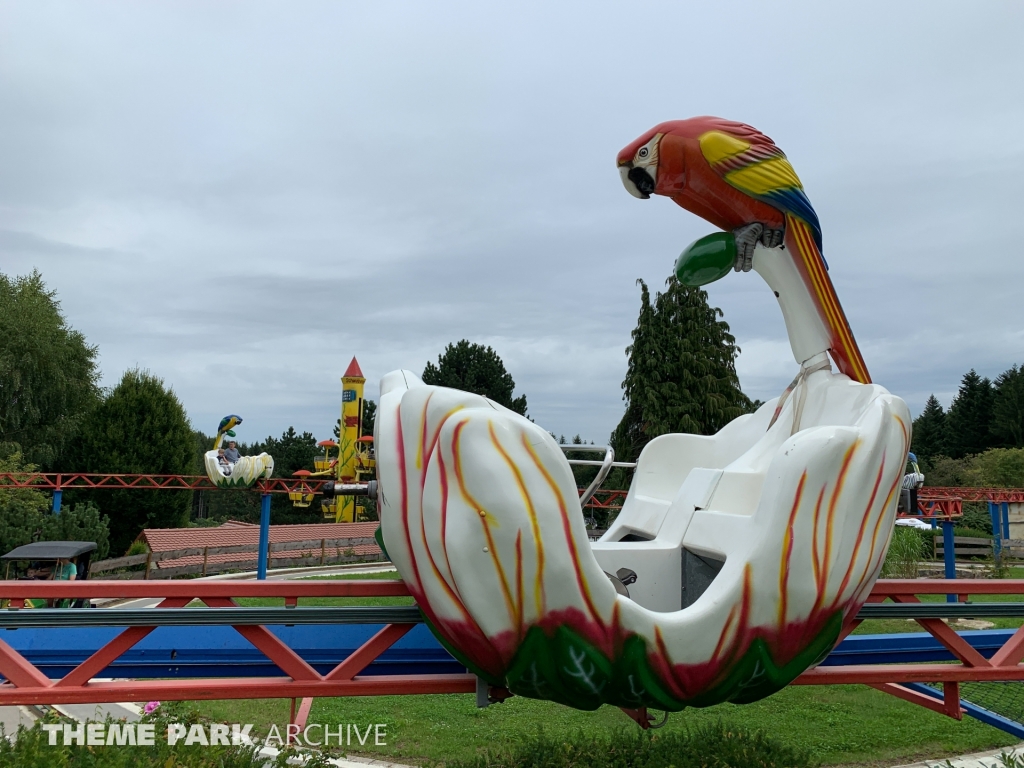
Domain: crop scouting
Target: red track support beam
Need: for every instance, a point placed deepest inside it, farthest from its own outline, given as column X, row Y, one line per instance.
column 235, row 688
column 948, row 706
column 369, row 651
column 112, row 651
column 26, row 684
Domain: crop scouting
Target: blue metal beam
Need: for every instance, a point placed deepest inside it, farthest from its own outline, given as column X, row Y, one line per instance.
column 910, row 647
column 978, row 713
column 219, row 651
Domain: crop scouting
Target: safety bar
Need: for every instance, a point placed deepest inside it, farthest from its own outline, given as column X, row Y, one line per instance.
column 605, row 466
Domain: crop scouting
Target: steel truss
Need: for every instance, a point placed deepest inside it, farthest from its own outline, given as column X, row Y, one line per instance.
column 26, row 684
column 903, row 680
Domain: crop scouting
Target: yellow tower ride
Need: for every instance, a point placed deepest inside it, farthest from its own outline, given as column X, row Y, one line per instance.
column 354, row 462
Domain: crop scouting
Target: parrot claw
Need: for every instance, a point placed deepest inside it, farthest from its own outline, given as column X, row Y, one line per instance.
column 747, row 238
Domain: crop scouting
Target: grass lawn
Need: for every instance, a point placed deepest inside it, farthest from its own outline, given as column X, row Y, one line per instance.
column 311, row 601
column 839, row 725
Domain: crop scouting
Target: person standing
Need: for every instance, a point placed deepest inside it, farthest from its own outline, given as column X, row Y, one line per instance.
column 912, row 482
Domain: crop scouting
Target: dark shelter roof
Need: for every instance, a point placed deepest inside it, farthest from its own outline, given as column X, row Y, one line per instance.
column 50, row 550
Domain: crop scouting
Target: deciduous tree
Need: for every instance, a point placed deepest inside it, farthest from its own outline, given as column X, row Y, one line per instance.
column 48, row 376
column 478, row 369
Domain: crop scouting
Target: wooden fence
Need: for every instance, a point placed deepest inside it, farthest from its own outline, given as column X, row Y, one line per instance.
column 967, row 546
column 311, row 552
column 963, row 546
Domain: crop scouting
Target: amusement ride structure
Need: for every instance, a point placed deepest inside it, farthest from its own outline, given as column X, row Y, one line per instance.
column 745, row 552
column 739, row 563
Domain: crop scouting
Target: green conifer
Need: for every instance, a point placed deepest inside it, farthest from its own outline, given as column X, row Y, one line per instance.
column 1008, row 409
column 141, row 427
column 970, row 416
column 930, row 431
column 681, row 375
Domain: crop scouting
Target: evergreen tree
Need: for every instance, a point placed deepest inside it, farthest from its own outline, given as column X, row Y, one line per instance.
column 478, row 369
column 80, row 522
column 292, row 451
column 48, row 376
column 930, row 430
column 681, row 375
column 1008, row 408
column 970, row 416
column 141, row 427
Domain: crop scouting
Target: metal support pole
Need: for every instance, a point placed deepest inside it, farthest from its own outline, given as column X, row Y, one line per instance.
column 56, row 501
column 997, row 535
column 261, row 563
column 1005, row 506
column 949, row 554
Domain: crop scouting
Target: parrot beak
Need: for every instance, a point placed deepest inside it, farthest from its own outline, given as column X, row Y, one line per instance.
column 637, row 181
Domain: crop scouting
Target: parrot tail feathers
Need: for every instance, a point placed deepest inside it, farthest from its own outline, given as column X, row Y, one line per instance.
column 801, row 243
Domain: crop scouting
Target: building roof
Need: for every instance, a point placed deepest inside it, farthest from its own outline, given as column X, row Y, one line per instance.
column 51, row 550
column 233, row 534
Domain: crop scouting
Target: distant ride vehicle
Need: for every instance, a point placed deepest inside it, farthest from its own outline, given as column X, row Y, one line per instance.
column 50, row 561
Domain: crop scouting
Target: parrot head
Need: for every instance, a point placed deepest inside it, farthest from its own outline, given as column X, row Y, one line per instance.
column 638, row 163
column 229, row 422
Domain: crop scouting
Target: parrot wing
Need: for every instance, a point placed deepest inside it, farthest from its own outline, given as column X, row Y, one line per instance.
column 749, row 161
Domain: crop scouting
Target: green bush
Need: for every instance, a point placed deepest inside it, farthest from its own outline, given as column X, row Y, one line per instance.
column 905, row 553
column 31, row 749
column 711, row 746
column 977, row 517
column 138, row 547
column 81, row 522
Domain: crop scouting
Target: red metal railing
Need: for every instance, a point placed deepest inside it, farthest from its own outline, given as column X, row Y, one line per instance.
column 938, row 506
column 1000, row 495
column 26, row 684
column 1003, row 666
column 603, row 499
column 62, row 481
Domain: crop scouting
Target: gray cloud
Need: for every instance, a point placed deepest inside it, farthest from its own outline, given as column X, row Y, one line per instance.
column 240, row 197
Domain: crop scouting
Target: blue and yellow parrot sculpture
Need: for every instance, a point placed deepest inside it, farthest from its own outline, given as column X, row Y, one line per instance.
column 224, row 428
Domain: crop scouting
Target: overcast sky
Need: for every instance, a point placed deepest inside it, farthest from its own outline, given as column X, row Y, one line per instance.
column 240, row 197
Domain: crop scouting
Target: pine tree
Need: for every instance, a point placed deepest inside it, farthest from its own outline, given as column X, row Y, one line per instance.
column 970, row 416
column 478, row 369
column 681, row 375
column 1008, row 409
column 291, row 452
column 141, row 427
column 930, row 430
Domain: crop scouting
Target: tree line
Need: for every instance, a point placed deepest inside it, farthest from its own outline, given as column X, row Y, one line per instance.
column 980, row 440
column 54, row 417
column 680, row 377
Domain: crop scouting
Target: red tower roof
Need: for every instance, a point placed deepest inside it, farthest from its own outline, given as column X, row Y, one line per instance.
column 353, row 371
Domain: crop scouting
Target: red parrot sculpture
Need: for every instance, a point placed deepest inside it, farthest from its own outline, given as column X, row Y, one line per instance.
column 734, row 176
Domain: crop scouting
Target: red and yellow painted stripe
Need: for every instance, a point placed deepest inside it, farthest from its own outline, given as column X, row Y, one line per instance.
column 800, row 242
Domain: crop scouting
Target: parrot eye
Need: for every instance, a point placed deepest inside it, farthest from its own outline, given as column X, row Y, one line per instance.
column 644, row 152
